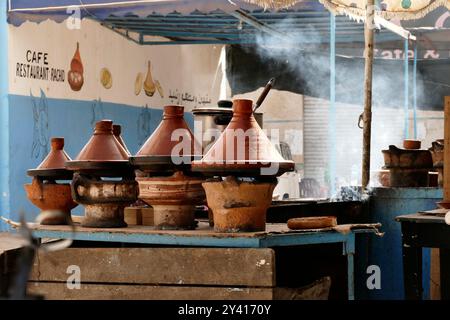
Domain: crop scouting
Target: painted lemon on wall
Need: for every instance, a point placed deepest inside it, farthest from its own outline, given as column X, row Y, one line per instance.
column 106, row 78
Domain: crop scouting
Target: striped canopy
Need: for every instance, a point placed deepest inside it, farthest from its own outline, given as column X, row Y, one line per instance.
column 398, row 9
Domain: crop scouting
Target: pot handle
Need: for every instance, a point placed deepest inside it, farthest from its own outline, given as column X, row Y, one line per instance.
column 76, row 182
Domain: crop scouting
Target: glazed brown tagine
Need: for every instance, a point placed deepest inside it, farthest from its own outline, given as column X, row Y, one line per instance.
column 163, row 171
column 250, row 162
column 408, row 167
column 103, row 180
column 117, row 131
column 54, row 199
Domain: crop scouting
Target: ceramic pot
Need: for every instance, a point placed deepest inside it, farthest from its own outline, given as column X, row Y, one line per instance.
column 243, row 149
column 103, row 155
column 53, row 166
column 402, row 158
column 410, row 144
column 117, row 131
column 171, row 146
column 50, row 196
column 173, row 199
column 239, row 206
column 103, row 145
column 104, row 201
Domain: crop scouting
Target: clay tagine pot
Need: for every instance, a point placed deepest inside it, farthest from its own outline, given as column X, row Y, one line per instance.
column 117, row 131
column 103, row 200
column 172, row 145
column 54, row 199
column 408, row 167
column 243, row 149
column 173, row 199
column 411, row 144
column 163, row 170
column 239, row 206
column 103, row 155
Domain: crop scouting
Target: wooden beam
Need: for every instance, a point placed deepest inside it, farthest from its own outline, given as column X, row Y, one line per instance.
column 157, row 266
column 368, row 71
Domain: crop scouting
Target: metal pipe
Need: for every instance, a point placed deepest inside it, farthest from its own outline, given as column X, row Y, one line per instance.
column 406, row 89
column 368, row 71
column 332, row 110
column 415, row 91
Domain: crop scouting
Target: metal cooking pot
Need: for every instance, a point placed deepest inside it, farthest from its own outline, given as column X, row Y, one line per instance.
column 213, row 121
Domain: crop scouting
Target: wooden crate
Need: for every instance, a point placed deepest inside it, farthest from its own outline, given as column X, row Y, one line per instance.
column 157, row 273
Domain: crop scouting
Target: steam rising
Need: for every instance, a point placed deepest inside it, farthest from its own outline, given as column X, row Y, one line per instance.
column 306, row 56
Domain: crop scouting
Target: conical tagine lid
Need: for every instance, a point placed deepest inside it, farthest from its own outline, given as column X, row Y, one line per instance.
column 103, row 151
column 54, row 164
column 117, row 131
column 172, row 144
column 243, row 149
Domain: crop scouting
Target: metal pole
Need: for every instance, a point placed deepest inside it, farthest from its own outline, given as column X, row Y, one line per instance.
column 367, row 115
column 415, row 91
column 406, row 89
column 332, row 110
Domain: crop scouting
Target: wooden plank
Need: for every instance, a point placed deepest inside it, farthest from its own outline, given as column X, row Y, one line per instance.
column 435, row 275
column 181, row 266
column 59, row 291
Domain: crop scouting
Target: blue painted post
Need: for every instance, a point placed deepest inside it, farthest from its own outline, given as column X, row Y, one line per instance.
column 415, row 91
column 406, row 89
column 4, row 115
column 332, row 111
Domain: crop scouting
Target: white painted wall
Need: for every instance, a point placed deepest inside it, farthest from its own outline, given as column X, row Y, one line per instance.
column 180, row 69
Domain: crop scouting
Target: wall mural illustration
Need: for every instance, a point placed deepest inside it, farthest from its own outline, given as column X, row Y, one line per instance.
column 144, row 125
column 106, row 78
column 40, row 146
column 149, row 85
column 76, row 73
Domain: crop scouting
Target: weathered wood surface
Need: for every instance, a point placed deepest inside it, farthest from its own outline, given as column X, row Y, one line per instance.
column 181, row 266
column 9, row 242
column 59, row 291
column 203, row 229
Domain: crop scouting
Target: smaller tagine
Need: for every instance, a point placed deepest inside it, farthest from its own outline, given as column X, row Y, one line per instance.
column 163, row 171
column 104, row 199
column 408, row 167
column 54, row 199
column 250, row 163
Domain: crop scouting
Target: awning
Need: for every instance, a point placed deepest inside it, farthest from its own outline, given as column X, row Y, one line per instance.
column 150, row 22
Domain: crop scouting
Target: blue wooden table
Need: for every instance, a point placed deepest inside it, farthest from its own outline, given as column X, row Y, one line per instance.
column 276, row 235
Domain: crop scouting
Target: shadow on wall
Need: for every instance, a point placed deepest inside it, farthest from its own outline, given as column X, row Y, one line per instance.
column 34, row 120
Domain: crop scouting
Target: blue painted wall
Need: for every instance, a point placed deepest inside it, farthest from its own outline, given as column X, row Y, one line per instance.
column 386, row 252
column 33, row 120
column 4, row 110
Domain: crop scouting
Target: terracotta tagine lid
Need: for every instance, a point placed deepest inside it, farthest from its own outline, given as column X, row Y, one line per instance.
column 156, row 153
column 102, row 153
column 243, row 149
column 117, row 131
column 54, row 164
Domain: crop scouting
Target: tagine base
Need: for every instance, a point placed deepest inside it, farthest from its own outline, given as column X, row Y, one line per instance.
column 104, row 216
column 239, row 206
column 174, row 217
